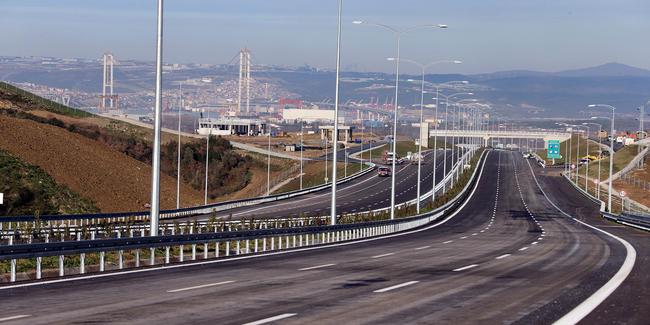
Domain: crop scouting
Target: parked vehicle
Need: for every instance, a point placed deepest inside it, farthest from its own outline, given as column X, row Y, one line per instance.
column 383, row 171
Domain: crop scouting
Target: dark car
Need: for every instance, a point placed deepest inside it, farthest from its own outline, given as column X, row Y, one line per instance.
column 383, row 171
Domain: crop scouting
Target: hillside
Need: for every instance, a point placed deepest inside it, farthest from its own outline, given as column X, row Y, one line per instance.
column 108, row 161
column 30, row 190
column 112, row 180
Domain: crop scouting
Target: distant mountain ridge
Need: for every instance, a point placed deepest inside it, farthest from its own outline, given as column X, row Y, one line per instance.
column 611, row 69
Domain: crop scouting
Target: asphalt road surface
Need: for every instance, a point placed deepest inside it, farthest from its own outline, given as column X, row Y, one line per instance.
column 507, row 256
column 368, row 192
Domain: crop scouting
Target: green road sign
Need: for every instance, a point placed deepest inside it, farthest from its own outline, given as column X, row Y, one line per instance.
column 553, row 149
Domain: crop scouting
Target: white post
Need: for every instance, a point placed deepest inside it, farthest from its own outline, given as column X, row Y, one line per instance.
column 336, row 116
column 155, row 182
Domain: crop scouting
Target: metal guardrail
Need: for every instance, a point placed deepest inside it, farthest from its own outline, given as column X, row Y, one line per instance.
column 628, row 219
column 99, row 231
column 292, row 237
column 178, row 213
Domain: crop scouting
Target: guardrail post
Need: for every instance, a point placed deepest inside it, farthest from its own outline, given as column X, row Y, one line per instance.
column 294, row 241
column 300, row 239
column 263, row 244
column 82, row 263
column 61, row 271
column 205, row 251
column 227, row 247
column 166, row 254
column 13, row 271
column 279, row 242
column 216, row 249
column 286, row 242
column 137, row 257
column 181, row 256
column 39, row 262
column 272, row 243
column 238, row 249
column 152, row 256
column 102, row 256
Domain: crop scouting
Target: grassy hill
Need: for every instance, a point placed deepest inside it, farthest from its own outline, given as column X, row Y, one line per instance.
column 28, row 189
column 107, row 161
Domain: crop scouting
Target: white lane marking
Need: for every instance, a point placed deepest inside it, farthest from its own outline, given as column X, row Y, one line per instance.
column 502, row 256
column 474, row 234
column 271, row 319
column 465, row 268
column 5, row 319
column 247, row 257
column 463, row 237
column 587, row 306
column 200, row 286
column 423, row 247
column 316, row 267
column 523, row 248
column 534, row 243
column 401, row 285
column 449, row 241
column 383, row 255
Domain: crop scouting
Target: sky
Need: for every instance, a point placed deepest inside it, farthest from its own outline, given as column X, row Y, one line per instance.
column 487, row 35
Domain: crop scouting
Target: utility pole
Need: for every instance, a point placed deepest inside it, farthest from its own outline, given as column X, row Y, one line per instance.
column 336, row 115
column 155, row 177
column 178, row 162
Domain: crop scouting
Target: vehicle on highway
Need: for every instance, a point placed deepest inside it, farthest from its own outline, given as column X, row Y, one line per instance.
column 383, row 171
column 389, row 156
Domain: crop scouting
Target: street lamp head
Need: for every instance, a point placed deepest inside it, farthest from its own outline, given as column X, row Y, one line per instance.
column 457, row 62
column 442, row 26
column 391, row 59
column 358, row 22
column 592, row 105
column 470, row 94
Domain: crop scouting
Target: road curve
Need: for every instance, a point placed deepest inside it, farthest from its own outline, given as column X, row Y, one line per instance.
column 507, row 256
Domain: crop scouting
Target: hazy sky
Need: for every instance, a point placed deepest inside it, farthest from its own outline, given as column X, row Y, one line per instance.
column 488, row 35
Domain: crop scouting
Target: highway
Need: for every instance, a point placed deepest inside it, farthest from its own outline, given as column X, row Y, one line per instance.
column 368, row 192
column 507, row 256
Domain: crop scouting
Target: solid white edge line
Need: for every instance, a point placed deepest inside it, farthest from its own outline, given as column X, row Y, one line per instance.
column 200, row 286
column 218, row 261
column 587, row 306
column 401, row 285
column 271, row 319
column 316, row 267
column 6, row 319
column 465, row 268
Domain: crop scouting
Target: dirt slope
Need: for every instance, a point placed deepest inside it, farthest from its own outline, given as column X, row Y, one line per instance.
column 112, row 180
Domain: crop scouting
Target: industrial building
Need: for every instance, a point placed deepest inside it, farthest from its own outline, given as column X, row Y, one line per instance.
column 231, row 126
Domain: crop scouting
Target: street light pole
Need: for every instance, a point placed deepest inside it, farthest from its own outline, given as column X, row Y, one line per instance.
column 423, row 68
column 178, row 162
column 611, row 154
column 268, row 166
column 600, row 130
column 207, row 159
column 399, row 34
column 336, row 115
column 155, row 177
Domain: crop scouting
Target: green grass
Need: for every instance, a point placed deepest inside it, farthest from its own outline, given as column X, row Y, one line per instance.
column 16, row 94
column 30, row 190
column 315, row 175
column 403, row 147
column 621, row 159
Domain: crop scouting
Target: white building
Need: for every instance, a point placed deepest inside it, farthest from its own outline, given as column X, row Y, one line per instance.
column 293, row 115
column 231, row 126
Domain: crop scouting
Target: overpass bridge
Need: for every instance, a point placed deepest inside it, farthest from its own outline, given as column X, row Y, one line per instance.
column 488, row 134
